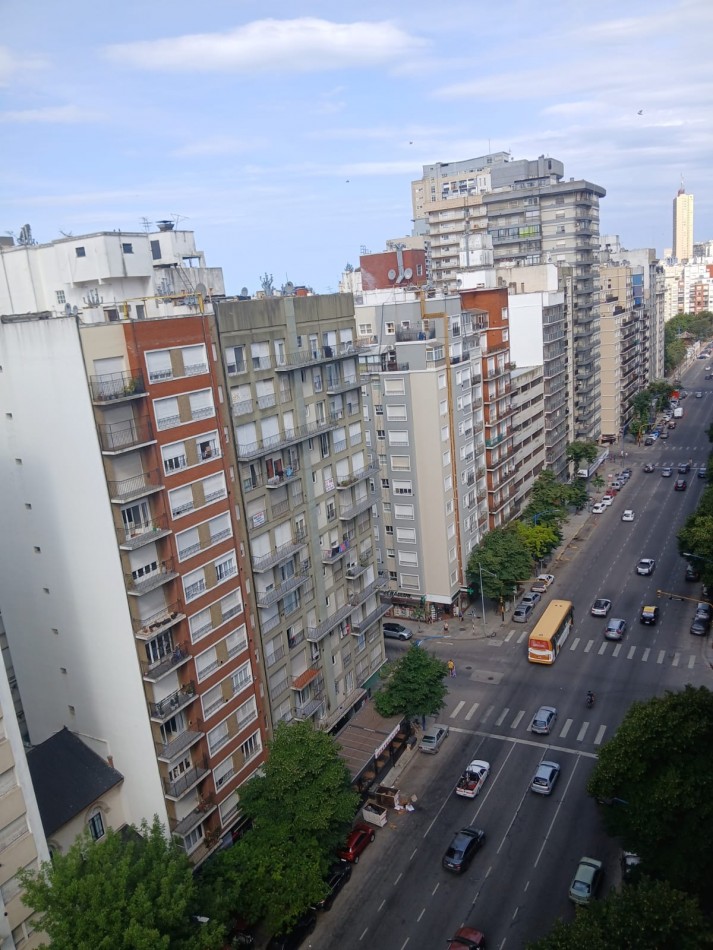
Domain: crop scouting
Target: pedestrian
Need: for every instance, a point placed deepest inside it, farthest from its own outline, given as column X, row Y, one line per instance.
column 451, row 668
column 445, row 626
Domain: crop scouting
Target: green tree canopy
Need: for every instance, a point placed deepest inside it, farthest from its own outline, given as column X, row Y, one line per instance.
column 582, row 451
column 538, row 539
column 659, row 770
column 123, row 893
column 504, row 561
column 650, row 915
column 414, row 685
column 696, row 537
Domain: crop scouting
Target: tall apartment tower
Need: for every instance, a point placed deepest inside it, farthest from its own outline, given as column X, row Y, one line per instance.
column 122, row 576
column 533, row 216
column 683, row 226
column 306, row 475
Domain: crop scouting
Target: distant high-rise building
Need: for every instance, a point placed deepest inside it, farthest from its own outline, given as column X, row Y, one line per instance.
column 683, row 226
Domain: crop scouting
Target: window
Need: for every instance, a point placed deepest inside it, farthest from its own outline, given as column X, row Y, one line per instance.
column 390, row 329
column 95, row 823
column 156, row 250
column 364, row 329
column 400, row 463
column 402, row 487
column 404, row 512
column 394, row 387
column 408, row 558
column 380, row 433
column 409, row 582
column 80, row 252
column 252, row 747
column 389, row 529
column 61, row 298
column 406, row 535
column 378, row 409
column 400, row 437
column 396, row 413
column 127, row 248
column 384, row 483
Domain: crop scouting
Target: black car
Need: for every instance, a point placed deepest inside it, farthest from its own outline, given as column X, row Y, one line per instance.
column 684, row 468
column 294, row 937
column 338, row 876
column 700, row 626
column 692, row 574
column 462, row 849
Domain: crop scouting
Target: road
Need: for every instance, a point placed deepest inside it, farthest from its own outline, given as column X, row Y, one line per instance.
column 399, row 896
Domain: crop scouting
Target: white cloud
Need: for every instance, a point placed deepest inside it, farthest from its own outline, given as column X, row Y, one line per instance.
column 302, row 45
column 62, row 115
column 13, row 65
column 219, row 145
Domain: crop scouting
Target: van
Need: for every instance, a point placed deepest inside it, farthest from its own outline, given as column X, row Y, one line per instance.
column 678, row 412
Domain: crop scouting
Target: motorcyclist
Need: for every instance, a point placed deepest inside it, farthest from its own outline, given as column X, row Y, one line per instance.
column 590, row 698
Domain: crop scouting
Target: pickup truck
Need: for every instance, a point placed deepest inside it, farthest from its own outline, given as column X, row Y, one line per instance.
column 473, row 779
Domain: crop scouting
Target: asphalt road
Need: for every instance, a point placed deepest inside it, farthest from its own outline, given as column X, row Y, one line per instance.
column 399, row 896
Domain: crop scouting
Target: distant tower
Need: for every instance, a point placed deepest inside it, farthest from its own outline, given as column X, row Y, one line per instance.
column 683, row 225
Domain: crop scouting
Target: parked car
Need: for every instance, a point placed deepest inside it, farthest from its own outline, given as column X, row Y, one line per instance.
column 703, row 609
column 692, row 574
column 542, row 583
column 465, row 938
column 339, row 874
column 607, row 500
column 649, row 615
column 618, row 484
column 601, row 607
column 680, row 484
column 532, row 598
column 649, row 440
column 294, row 937
column 672, row 424
column 586, row 881
column 646, row 566
column 545, row 777
column 462, row 849
column 396, row 631
column 522, row 612
column 615, row 629
column 357, row 840
column 433, row 738
column 543, row 721
column 599, row 508
column 649, row 467
column 627, row 515
column 664, row 435
column 628, row 472
column 700, row 626
column 629, row 863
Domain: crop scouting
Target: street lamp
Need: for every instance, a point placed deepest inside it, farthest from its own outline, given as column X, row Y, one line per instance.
column 696, row 556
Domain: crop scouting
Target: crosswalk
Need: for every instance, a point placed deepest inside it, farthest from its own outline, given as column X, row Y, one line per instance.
column 676, row 658
column 510, row 720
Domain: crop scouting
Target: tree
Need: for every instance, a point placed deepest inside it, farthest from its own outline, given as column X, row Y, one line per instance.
column 132, row 891
column 696, row 537
column 649, row 915
column 657, row 776
column 414, row 686
column 538, row 539
column 301, row 808
column 598, row 482
column 582, row 451
column 503, row 560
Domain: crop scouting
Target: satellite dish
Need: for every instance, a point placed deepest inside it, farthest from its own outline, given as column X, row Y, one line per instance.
column 391, row 274
column 289, row 288
column 202, row 290
column 408, row 273
column 244, row 292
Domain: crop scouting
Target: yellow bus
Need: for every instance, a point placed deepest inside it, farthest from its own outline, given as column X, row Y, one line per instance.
column 551, row 632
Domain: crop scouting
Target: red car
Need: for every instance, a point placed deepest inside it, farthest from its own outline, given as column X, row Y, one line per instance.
column 359, row 837
column 467, row 939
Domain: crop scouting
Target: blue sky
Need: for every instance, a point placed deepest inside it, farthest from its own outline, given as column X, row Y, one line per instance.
column 286, row 137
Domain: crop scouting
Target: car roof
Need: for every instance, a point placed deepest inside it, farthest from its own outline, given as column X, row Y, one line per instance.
column 648, row 609
column 479, row 764
column 546, row 710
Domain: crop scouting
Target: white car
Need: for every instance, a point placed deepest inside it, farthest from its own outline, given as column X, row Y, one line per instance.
column 607, row 500
column 628, row 515
column 600, row 607
column 543, row 582
column 473, row 779
column 598, row 508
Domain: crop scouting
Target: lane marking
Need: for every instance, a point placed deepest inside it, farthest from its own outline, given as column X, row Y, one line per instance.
column 602, row 648
column 509, row 637
column 471, row 711
column 516, row 721
column 557, row 811
column 458, row 708
column 481, row 733
column 630, row 654
column 589, row 646
column 488, row 712
column 574, row 644
column 676, row 658
column 600, row 735
column 501, row 717
column 662, row 654
column 582, row 732
column 435, row 889
column 418, row 919
column 565, row 728
column 645, row 657
column 691, row 662
column 617, row 650
column 522, row 636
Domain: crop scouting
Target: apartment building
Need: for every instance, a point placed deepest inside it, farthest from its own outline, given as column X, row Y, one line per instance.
column 306, row 474
column 422, row 384
column 683, row 226
column 529, row 433
column 121, row 572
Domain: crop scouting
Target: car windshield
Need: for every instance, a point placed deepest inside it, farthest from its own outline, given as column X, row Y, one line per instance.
column 580, row 887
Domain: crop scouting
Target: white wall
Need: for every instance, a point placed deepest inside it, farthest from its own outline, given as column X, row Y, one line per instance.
column 526, row 342
column 51, row 432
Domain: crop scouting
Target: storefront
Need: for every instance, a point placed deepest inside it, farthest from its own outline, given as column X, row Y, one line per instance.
column 372, row 745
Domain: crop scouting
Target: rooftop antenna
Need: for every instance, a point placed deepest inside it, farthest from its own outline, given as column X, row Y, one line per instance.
column 177, row 218
column 146, row 224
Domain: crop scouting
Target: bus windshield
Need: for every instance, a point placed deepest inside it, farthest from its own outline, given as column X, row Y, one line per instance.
column 551, row 632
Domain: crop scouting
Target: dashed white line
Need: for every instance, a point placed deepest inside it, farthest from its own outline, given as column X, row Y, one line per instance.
column 582, row 732
column 574, row 644
column 398, row 878
column 645, row 657
column 691, row 662
column 602, row 648
column 418, row 919
column 488, row 712
column 435, row 889
column 509, row 637
column 617, row 650
column 364, row 933
column 676, row 658
column 458, row 708
column 662, row 654
column 471, row 711
column 589, row 646
column 630, row 654
column 516, row 721
column 499, row 721
column 600, row 735
column 522, row 636
column 565, row 728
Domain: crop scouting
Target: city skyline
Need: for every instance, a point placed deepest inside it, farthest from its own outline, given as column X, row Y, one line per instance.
column 289, row 143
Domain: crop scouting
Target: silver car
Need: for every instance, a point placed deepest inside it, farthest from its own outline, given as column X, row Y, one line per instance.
column 544, row 720
column 545, row 777
column 433, row 738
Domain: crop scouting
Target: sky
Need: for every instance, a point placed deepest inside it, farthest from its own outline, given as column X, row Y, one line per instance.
column 286, row 136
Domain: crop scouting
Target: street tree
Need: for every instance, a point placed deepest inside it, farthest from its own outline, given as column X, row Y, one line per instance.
column 582, row 451
column 133, row 890
column 709, row 433
column 660, row 390
column 650, row 915
column 538, row 539
column 656, row 779
column 598, row 482
column 696, row 537
column 414, row 686
column 502, row 561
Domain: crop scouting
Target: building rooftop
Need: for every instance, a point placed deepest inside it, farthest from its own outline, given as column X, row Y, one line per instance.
column 67, row 777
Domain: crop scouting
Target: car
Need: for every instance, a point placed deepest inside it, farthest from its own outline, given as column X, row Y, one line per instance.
column 532, row 598
column 628, row 472
column 611, row 492
column 615, row 629
column 358, row 839
column 680, row 484
column 618, row 484
column 338, row 875
column 521, row 613
column 672, row 424
column 433, row 738
column 586, row 881
column 684, row 468
column 599, row 508
column 629, row 862
column 600, row 607
column 649, row 467
column 700, row 626
column 702, row 473
column 709, row 375
column 649, row 440
column 649, row 615
column 627, row 515
column 663, row 436
column 473, row 779
column 646, row 566
column 703, row 609
column 543, row 721
column 666, row 471
column 607, row 500
column 465, row 938
column 545, row 777
column 692, row 574
column 462, row 849
column 542, row 583
column 699, row 395
column 396, row 631
column 294, row 937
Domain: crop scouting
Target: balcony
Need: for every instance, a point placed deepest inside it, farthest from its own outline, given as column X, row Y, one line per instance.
column 288, row 437
column 172, row 704
column 361, row 596
column 338, row 385
column 301, row 680
column 165, row 571
column 193, row 819
column 154, row 672
column 136, row 535
column 356, row 570
column 163, row 619
column 280, row 554
column 291, row 474
column 315, row 634
column 313, row 705
column 170, row 422
column 335, row 553
column 361, row 626
column 118, row 437
column 312, row 357
column 351, row 511
column 116, row 387
column 178, row 745
column 269, row 597
column 128, row 489
column 371, row 469
column 182, row 785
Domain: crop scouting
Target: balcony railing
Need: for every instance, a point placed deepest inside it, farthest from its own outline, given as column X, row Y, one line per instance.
column 156, row 623
column 340, row 385
column 169, row 706
column 136, row 535
column 153, row 672
column 180, row 744
column 348, row 480
column 359, row 597
column 164, row 572
column 127, row 489
column 186, row 825
column 181, row 785
column 201, row 545
column 346, row 512
column 111, row 387
column 314, row 356
column 281, row 553
column 313, row 705
column 170, row 422
column 288, row 437
column 356, row 570
column 315, row 634
column 269, row 597
column 361, row 626
column 335, row 553
column 119, row 437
